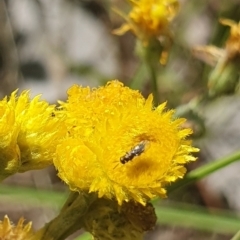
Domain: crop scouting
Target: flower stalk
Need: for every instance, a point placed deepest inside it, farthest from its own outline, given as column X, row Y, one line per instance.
column 150, row 57
column 205, row 170
column 70, row 218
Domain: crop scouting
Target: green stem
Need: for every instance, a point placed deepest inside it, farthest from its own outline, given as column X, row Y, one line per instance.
column 150, row 55
column 205, row 170
column 70, row 218
column 153, row 76
column 138, row 80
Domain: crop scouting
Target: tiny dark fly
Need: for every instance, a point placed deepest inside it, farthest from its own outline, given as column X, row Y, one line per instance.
column 135, row 151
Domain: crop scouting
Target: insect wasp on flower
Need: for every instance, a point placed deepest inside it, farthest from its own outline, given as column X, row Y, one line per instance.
column 135, row 151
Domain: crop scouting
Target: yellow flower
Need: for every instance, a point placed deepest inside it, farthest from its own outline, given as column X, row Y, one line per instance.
column 119, row 145
column 149, row 18
column 9, row 150
column 19, row 232
column 224, row 78
column 29, row 133
column 212, row 55
column 233, row 41
column 39, row 130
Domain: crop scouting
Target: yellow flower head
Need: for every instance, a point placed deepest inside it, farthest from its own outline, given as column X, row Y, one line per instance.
column 149, row 18
column 39, row 130
column 233, row 42
column 9, row 151
column 224, row 78
column 19, row 232
column 119, row 145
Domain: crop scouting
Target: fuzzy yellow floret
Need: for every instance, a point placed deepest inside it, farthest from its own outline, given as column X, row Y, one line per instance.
column 29, row 133
column 106, row 123
column 149, row 18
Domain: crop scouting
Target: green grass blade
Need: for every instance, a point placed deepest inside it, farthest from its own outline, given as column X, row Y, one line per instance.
column 197, row 218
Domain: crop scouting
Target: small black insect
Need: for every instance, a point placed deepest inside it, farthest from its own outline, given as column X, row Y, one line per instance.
column 135, row 151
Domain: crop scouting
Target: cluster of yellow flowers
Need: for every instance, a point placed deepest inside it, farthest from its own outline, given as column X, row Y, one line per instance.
column 109, row 140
